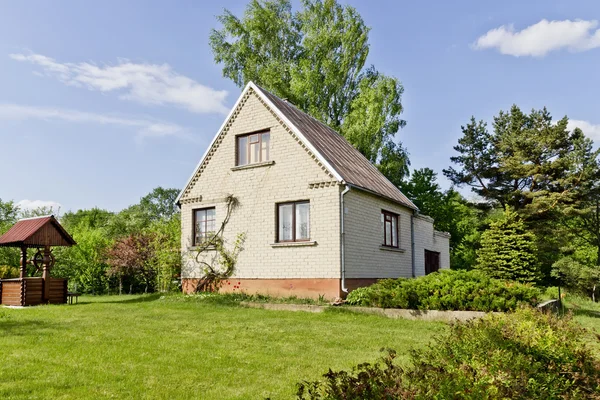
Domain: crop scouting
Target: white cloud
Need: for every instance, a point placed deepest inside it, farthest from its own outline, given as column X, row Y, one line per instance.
column 35, row 204
column 143, row 126
column 539, row 39
column 143, row 83
column 590, row 130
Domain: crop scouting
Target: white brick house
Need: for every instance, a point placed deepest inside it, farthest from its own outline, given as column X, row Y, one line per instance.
column 319, row 219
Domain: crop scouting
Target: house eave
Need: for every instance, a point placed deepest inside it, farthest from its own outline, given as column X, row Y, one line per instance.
column 404, row 204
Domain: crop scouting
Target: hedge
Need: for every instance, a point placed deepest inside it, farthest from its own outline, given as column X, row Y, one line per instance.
column 446, row 290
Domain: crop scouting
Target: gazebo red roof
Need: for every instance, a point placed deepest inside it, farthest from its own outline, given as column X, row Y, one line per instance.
column 36, row 232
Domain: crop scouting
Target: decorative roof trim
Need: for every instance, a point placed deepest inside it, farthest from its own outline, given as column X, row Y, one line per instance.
column 283, row 119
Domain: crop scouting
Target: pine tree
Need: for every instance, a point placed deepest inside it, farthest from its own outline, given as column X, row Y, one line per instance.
column 508, row 250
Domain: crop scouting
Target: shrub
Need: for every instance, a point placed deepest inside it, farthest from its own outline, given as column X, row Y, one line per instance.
column 7, row 272
column 508, row 250
column 524, row 355
column 446, row 290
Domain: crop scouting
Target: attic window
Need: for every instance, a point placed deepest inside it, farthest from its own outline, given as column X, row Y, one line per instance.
column 253, row 148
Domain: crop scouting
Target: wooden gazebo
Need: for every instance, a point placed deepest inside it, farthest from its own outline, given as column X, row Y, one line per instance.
column 39, row 233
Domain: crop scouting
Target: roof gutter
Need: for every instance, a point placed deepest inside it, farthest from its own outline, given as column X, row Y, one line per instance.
column 343, row 240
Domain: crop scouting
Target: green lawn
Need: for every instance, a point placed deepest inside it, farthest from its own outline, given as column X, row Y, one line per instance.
column 587, row 314
column 146, row 347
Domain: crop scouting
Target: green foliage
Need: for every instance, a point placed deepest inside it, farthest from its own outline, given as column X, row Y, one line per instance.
column 446, row 290
column 165, row 244
column 316, row 58
column 536, row 166
column 508, row 250
column 154, row 218
column 577, row 277
column 451, row 213
column 529, row 162
column 94, row 218
column 525, row 355
column 8, row 271
column 84, row 264
column 9, row 213
column 160, row 204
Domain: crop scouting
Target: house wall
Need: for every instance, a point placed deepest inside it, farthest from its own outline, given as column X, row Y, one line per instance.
column 426, row 238
column 364, row 255
column 367, row 260
column 264, row 266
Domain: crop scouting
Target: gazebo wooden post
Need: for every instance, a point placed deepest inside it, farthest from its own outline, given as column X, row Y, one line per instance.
column 23, row 271
column 46, row 274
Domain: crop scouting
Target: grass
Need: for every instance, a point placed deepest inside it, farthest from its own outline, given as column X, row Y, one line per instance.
column 148, row 347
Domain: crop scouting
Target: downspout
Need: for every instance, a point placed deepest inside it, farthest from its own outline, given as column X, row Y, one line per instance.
column 343, row 240
column 412, row 242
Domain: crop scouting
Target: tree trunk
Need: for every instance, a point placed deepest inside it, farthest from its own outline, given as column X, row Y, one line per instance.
column 120, row 285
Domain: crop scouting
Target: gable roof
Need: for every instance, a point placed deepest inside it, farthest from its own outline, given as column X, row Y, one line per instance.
column 38, row 231
column 342, row 160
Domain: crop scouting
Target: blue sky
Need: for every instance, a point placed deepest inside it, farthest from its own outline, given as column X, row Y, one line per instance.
column 102, row 101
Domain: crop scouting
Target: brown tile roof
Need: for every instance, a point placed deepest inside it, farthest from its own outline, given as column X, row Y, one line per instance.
column 348, row 162
column 33, row 232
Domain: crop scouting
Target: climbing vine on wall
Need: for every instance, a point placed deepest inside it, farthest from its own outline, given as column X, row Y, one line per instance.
column 217, row 260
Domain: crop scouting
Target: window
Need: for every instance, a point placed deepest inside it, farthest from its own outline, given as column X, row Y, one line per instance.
column 253, row 148
column 390, row 228
column 293, row 222
column 204, row 225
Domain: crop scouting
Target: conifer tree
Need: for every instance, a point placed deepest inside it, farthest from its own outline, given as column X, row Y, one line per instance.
column 508, row 250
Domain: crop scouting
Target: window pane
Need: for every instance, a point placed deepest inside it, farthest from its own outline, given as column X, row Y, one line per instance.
column 394, row 232
column 388, row 233
column 253, row 138
column 242, row 150
column 254, row 153
column 210, row 213
column 266, row 137
column 210, row 227
column 200, row 232
column 285, row 222
column 200, row 215
column 302, row 221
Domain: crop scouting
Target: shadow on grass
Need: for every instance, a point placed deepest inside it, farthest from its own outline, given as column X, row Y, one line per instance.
column 146, row 298
column 125, row 299
column 10, row 327
column 584, row 312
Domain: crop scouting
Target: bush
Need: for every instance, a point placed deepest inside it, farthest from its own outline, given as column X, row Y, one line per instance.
column 7, row 272
column 446, row 290
column 524, row 355
column 579, row 278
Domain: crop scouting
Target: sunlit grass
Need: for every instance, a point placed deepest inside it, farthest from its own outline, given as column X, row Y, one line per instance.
column 147, row 347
